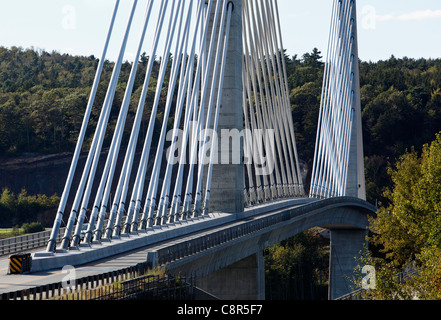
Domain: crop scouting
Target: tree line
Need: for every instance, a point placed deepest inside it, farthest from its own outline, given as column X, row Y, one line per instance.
column 43, row 97
column 400, row 100
column 401, row 112
column 406, row 234
column 22, row 208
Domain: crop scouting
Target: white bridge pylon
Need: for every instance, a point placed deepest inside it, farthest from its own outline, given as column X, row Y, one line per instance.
column 338, row 168
column 173, row 178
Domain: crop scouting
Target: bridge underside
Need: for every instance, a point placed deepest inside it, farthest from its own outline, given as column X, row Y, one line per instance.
column 235, row 270
column 205, row 248
column 245, row 279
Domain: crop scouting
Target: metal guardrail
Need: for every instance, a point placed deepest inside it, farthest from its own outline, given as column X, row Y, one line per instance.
column 26, row 242
column 353, row 296
column 30, row 241
column 134, row 285
column 150, row 287
column 39, row 240
column 360, row 294
column 244, row 228
column 205, row 242
column 49, row 291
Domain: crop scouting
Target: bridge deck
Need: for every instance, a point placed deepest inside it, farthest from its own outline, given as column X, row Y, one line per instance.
column 11, row 283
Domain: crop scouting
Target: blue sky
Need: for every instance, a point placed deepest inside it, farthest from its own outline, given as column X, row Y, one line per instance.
column 78, row 27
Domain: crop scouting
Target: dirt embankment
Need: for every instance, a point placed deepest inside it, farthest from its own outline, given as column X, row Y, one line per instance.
column 38, row 174
column 48, row 174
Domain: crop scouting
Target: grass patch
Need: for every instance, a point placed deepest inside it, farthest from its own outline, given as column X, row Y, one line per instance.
column 14, row 232
column 111, row 291
column 11, row 233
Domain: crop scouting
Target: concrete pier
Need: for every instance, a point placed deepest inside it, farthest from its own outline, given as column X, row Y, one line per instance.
column 346, row 245
column 243, row 280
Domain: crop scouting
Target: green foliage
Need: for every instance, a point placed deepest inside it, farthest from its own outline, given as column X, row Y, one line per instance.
column 401, row 109
column 401, row 106
column 428, row 284
column 7, row 207
column 24, row 208
column 407, row 231
column 296, row 269
column 32, row 227
column 313, row 59
column 388, row 280
column 43, row 97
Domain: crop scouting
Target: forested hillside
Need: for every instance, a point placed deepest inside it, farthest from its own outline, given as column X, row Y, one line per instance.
column 43, row 97
column 401, row 107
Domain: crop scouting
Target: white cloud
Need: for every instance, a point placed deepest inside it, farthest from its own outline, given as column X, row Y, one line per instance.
column 415, row 15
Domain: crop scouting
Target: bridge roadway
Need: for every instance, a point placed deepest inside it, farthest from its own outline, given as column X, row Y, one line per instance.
column 172, row 251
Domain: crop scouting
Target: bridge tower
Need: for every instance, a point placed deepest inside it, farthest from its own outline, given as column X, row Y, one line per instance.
column 227, row 183
column 338, row 168
column 227, row 74
column 356, row 186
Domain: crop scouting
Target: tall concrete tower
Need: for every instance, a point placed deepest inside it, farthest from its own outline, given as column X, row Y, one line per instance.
column 227, row 183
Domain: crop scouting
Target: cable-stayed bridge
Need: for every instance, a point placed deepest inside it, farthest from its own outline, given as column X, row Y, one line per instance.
column 217, row 166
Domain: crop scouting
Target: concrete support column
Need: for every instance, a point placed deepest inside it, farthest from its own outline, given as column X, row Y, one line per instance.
column 227, row 186
column 244, row 280
column 355, row 186
column 346, row 245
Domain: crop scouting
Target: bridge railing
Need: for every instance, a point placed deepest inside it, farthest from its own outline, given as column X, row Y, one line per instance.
column 131, row 278
column 206, row 242
column 203, row 242
column 149, row 287
column 353, row 296
column 30, row 241
column 89, row 282
column 26, row 242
